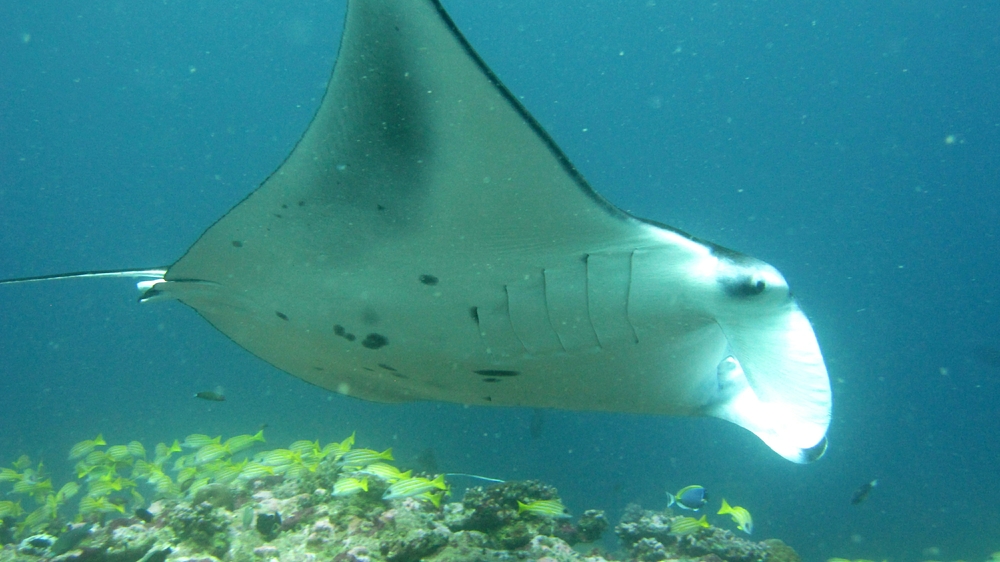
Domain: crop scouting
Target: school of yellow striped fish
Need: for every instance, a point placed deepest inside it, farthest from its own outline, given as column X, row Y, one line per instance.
column 115, row 480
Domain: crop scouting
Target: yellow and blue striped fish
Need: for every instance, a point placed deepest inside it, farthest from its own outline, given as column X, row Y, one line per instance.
column 104, row 486
column 434, row 498
column 83, row 448
column 338, row 449
column 197, row 440
column 162, row 452
column 68, row 490
column 364, row 457
column 119, row 453
column 544, row 508
column 254, row 470
column 10, row 509
column 136, row 449
column 681, row 526
column 414, row 486
column 24, row 461
column 347, row 486
column 741, row 516
column 279, row 457
column 10, row 475
column 243, row 442
column 211, row 452
column 91, row 504
column 31, row 487
column 305, row 447
column 226, row 471
column 386, row 472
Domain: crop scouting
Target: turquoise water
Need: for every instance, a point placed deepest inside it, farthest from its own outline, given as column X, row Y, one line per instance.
column 852, row 146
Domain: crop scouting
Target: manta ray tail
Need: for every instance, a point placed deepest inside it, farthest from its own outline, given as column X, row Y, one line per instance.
column 149, row 276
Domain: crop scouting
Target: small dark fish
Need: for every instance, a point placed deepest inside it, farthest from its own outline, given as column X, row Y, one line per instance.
column 70, row 538
column 209, row 395
column 269, row 524
column 861, row 494
column 144, row 514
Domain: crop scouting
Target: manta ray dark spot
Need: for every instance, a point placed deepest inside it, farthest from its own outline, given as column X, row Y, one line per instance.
column 368, row 369
column 375, row 341
column 474, row 312
column 496, row 373
column 237, row 244
column 392, row 371
column 276, row 215
column 284, row 206
column 339, row 330
column 488, row 398
column 380, row 207
column 302, row 203
column 428, row 279
column 281, row 315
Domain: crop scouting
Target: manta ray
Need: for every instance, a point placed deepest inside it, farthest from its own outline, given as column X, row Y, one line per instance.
column 426, row 239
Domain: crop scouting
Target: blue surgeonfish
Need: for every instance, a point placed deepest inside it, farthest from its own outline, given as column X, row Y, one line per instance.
column 690, row 497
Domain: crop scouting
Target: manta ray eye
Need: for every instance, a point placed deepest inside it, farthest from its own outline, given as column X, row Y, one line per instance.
column 743, row 286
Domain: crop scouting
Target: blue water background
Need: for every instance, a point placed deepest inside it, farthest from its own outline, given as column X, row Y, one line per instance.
column 853, row 145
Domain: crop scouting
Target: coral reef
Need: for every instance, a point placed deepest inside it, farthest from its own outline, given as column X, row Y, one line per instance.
column 493, row 511
column 201, row 524
column 647, row 536
column 310, row 503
